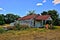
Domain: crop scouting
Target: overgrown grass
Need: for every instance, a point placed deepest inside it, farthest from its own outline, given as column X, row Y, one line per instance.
column 31, row 34
column 56, row 27
column 2, row 30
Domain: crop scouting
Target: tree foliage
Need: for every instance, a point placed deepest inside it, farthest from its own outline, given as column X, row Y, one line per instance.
column 44, row 13
column 8, row 18
column 2, row 19
column 54, row 15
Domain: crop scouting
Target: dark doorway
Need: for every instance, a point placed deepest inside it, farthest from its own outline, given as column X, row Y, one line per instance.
column 48, row 22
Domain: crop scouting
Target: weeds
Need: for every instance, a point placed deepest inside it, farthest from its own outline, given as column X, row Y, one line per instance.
column 2, row 30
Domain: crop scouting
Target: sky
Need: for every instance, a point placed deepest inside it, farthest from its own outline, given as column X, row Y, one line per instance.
column 21, row 7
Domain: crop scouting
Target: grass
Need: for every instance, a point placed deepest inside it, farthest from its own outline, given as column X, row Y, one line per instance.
column 32, row 34
column 5, row 25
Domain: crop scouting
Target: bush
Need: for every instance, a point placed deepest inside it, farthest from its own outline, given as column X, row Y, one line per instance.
column 2, row 30
column 17, row 26
column 2, row 22
column 24, row 27
column 54, row 27
column 21, row 27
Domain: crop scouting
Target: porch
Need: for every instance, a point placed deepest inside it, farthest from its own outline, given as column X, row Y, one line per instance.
column 41, row 23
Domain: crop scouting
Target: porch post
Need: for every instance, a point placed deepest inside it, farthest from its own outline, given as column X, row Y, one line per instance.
column 45, row 21
column 42, row 22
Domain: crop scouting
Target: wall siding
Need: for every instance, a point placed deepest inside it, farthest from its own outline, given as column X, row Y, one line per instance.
column 38, row 23
column 28, row 22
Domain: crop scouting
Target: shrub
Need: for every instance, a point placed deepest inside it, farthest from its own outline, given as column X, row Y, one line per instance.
column 17, row 26
column 2, row 22
column 54, row 27
column 2, row 30
column 21, row 27
column 24, row 27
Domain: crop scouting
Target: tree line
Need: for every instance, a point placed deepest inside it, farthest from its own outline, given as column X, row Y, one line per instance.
column 8, row 18
column 53, row 13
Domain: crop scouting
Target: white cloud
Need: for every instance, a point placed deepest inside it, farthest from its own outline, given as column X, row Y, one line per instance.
column 44, row 1
column 56, row 2
column 39, row 4
column 2, row 9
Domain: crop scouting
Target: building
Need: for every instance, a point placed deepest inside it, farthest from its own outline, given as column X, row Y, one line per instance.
column 34, row 20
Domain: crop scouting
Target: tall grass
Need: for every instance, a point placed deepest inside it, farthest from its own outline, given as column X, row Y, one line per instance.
column 22, row 27
column 2, row 30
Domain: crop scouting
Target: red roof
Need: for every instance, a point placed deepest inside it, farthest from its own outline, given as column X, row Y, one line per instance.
column 42, row 17
column 27, row 17
column 37, row 17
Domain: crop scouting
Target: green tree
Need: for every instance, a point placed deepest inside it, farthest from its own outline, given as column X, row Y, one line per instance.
column 2, row 19
column 44, row 13
column 54, row 15
column 10, row 17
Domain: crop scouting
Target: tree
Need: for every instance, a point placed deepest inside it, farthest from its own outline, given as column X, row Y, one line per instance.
column 10, row 18
column 57, row 22
column 2, row 19
column 44, row 13
column 54, row 15
column 31, row 12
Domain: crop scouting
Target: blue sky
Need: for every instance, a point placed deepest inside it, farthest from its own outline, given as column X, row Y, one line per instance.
column 21, row 7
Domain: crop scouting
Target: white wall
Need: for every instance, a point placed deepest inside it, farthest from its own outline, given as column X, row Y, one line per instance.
column 49, row 18
column 28, row 22
column 38, row 23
